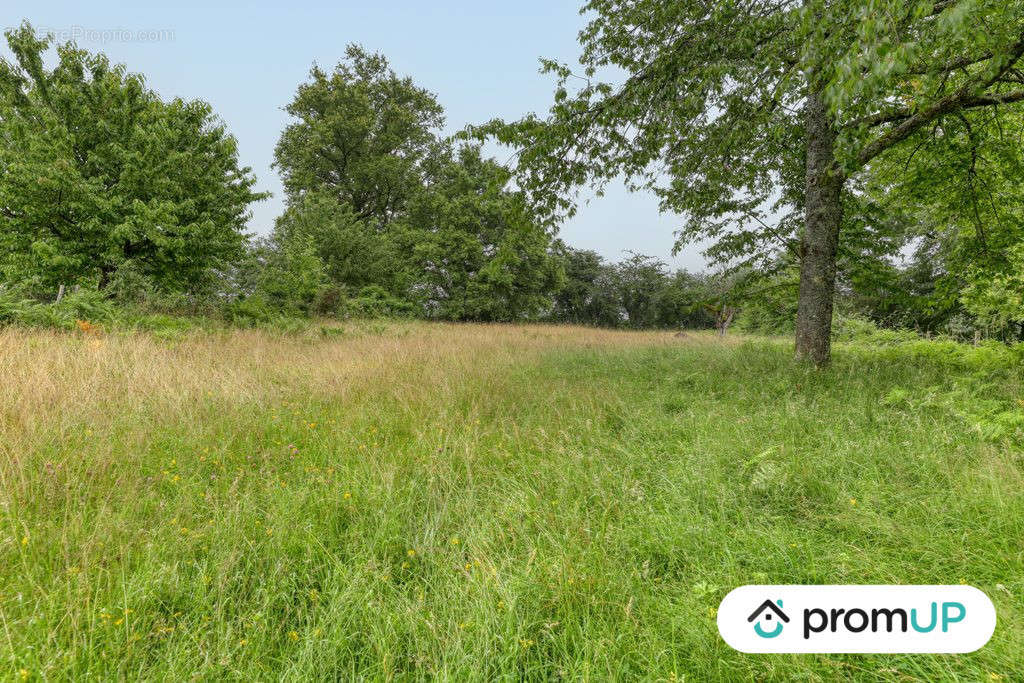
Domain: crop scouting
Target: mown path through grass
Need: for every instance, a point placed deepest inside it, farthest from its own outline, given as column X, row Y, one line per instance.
column 483, row 502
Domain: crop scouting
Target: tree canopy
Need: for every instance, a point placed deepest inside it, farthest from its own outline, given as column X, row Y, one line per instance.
column 752, row 118
column 387, row 202
column 98, row 174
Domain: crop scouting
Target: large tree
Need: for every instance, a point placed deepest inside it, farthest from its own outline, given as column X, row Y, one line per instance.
column 386, row 202
column 360, row 133
column 745, row 115
column 98, row 174
column 478, row 250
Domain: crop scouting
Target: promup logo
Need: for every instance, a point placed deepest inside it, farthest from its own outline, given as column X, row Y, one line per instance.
column 765, row 613
column 857, row 619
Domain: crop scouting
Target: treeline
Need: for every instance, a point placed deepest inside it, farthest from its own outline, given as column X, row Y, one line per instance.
column 113, row 198
column 111, row 195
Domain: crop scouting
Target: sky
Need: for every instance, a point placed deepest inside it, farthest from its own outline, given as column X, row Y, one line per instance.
column 247, row 58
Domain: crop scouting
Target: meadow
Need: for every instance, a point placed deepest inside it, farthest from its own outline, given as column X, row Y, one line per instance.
column 471, row 502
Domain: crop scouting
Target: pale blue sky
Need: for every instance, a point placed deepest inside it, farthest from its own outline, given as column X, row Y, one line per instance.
column 246, row 59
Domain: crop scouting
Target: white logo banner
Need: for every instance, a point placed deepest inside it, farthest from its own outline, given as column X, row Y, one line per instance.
column 856, row 619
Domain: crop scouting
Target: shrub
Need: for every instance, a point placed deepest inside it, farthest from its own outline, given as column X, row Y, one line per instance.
column 249, row 312
column 375, row 302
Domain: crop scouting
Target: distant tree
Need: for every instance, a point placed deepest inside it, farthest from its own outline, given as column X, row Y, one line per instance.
column 590, row 295
column 386, row 203
column 292, row 278
column 478, row 250
column 681, row 303
column 641, row 282
column 98, row 174
column 756, row 109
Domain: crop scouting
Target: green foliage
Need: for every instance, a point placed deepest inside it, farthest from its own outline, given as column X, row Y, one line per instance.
column 375, row 302
column 998, row 298
column 85, row 305
column 293, row 276
column 638, row 293
column 249, row 312
column 359, row 135
column 98, row 174
column 717, row 129
column 382, row 202
column 476, row 249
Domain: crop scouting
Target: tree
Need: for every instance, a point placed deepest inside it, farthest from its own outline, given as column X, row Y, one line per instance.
column 353, row 254
column 640, row 280
column 745, row 114
column 590, row 295
column 386, row 203
column 478, row 250
column 360, row 135
column 98, row 174
column 957, row 193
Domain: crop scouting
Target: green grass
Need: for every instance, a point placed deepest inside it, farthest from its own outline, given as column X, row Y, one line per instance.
column 566, row 510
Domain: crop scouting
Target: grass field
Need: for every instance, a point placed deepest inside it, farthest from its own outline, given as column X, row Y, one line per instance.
column 412, row 501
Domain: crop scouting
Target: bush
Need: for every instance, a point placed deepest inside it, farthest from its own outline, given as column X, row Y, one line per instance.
column 375, row 302
column 84, row 305
column 249, row 312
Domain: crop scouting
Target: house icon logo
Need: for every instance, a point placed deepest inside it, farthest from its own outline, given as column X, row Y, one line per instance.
column 764, row 615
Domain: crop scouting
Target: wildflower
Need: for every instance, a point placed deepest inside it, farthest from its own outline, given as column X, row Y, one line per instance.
column 525, row 642
column 455, row 540
column 410, row 552
column 24, row 540
column 469, row 566
column 405, row 565
column 347, row 495
column 243, row 642
column 23, row 673
column 853, row 501
column 293, row 635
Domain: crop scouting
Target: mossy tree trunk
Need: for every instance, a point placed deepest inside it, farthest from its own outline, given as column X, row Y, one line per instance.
column 824, row 214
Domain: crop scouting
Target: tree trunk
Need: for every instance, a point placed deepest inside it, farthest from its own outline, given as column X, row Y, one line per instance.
column 824, row 213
